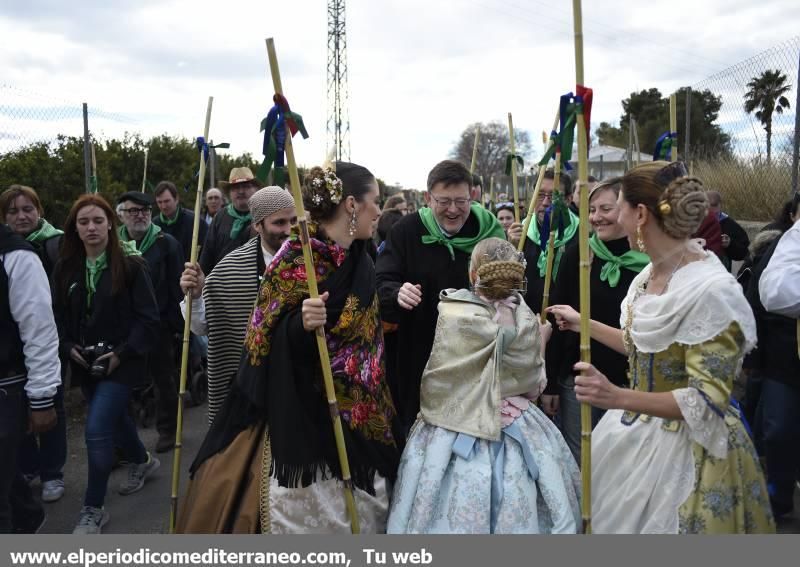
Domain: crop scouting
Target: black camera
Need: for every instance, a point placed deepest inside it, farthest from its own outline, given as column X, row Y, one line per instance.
column 97, row 368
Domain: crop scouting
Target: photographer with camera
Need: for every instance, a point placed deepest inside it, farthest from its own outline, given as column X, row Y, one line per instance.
column 108, row 322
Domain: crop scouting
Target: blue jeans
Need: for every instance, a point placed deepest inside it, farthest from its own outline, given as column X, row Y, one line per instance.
column 46, row 457
column 569, row 409
column 108, row 423
column 779, row 419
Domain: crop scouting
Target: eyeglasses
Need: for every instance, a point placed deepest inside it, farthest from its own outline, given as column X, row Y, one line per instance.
column 542, row 196
column 446, row 202
column 135, row 211
column 670, row 173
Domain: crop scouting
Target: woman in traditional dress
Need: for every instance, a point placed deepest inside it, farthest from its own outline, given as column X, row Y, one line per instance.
column 672, row 454
column 614, row 265
column 482, row 458
column 269, row 463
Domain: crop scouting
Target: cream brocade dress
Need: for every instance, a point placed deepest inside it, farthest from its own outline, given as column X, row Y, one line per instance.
column 698, row 475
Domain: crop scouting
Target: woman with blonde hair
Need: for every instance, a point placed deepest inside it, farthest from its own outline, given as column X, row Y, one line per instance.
column 482, row 458
column 672, row 454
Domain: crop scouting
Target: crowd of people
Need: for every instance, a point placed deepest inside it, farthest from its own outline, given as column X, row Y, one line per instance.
column 459, row 399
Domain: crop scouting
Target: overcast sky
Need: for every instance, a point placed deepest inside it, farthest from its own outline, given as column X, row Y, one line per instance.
column 420, row 70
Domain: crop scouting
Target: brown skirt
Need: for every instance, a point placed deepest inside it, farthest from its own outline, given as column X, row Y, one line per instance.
column 223, row 497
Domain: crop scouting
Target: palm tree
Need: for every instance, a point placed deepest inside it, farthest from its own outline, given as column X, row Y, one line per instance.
column 766, row 94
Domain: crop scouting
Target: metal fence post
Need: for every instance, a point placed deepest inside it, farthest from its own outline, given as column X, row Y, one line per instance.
column 688, row 124
column 796, row 148
column 87, row 156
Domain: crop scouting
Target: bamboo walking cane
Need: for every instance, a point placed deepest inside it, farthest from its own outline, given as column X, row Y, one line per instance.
column 313, row 292
column 673, row 125
column 536, row 188
column 513, row 169
column 491, row 190
column 144, row 173
column 551, row 244
column 583, row 243
column 187, row 329
column 475, row 150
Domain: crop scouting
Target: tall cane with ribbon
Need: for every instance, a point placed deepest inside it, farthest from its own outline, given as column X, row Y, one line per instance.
column 313, row 292
column 187, row 324
column 537, row 187
column 583, row 111
column 556, row 223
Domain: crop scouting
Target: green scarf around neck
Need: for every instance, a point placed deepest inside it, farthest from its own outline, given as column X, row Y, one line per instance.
column 147, row 241
column 611, row 270
column 566, row 236
column 240, row 220
column 94, row 268
column 168, row 221
column 488, row 226
column 44, row 231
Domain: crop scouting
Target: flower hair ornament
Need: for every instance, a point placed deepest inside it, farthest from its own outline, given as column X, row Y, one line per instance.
column 327, row 187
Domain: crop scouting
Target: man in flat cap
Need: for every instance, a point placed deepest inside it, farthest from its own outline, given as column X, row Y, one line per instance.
column 164, row 258
column 222, row 303
column 231, row 225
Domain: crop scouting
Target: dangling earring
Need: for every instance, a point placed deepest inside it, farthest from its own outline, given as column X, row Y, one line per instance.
column 352, row 229
column 640, row 240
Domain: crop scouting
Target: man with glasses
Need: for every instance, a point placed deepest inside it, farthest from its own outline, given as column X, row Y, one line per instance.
column 425, row 253
column 164, row 258
column 535, row 255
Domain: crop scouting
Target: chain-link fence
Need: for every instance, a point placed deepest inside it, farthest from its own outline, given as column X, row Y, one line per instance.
column 30, row 118
column 753, row 170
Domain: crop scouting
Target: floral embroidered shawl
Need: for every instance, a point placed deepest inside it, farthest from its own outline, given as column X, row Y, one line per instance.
column 280, row 378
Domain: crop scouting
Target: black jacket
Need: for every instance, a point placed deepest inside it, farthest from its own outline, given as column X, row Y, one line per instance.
column 129, row 321
column 739, row 241
column 165, row 264
column 776, row 354
column 605, row 304
column 12, row 357
column 181, row 230
column 219, row 243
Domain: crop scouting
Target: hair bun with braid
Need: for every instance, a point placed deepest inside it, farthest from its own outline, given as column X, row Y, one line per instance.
column 499, row 279
column 683, row 207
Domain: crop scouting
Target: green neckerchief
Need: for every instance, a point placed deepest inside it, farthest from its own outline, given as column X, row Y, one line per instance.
column 94, row 269
column 170, row 222
column 44, row 231
column 630, row 260
column 566, row 236
column 488, row 226
column 239, row 220
column 147, row 240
